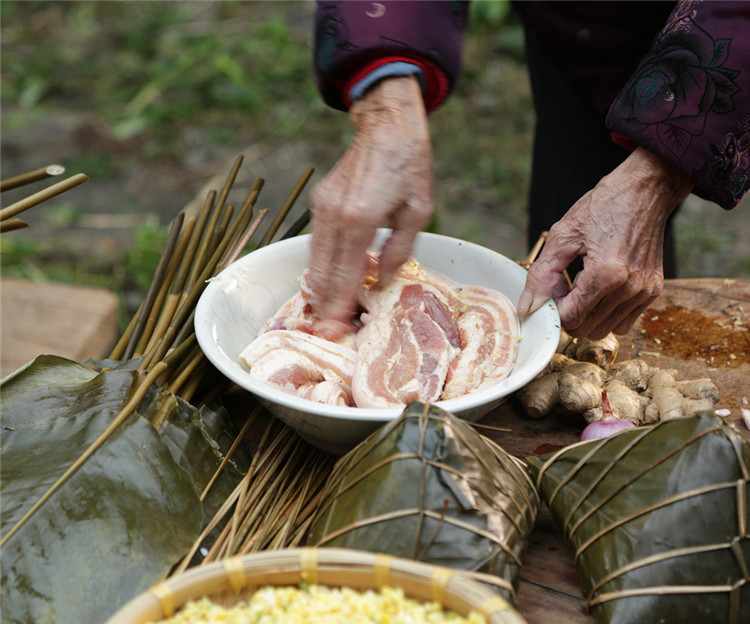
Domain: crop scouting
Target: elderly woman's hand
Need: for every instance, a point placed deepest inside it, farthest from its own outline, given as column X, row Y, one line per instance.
column 383, row 179
column 618, row 229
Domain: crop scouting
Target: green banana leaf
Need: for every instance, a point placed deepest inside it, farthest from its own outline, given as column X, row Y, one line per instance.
column 429, row 487
column 127, row 515
column 658, row 518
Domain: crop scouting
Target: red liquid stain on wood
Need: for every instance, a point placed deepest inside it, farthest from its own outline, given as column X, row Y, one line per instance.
column 543, row 449
column 689, row 334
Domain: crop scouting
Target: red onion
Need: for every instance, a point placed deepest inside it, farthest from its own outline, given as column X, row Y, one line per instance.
column 608, row 425
column 605, row 427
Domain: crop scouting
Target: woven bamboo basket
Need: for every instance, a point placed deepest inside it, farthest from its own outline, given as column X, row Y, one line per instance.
column 232, row 580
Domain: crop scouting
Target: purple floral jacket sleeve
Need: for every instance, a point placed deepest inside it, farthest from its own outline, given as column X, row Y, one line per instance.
column 353, row 38
column 689, row 99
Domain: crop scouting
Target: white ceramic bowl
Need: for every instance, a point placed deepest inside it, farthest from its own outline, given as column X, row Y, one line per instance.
column 238, row 302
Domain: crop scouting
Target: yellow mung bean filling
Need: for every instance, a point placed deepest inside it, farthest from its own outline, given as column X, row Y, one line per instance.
column 315, row 604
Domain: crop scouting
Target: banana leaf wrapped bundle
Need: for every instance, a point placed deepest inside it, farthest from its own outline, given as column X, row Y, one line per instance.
column 122, row 519
column 658, row 520
column 428, row 487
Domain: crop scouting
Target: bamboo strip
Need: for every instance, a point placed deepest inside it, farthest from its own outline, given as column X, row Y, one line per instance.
column 287, row 206
column 195, row 359
column 204, row 249
column 159, row 328
column 243, row 492
column 219, row 206
column 192, row 386
column 10, row 225
column 189, row 257
column 265, row 487
column 156, row 283
column 31, row 176
column 296, row 227
column 235, row 251
column 245, row 214
column 119, row 349
column 245, row 428
column 41, row 196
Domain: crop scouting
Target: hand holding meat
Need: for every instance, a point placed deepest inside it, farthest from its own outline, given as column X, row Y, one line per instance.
column 618, row 229
column 383, row 179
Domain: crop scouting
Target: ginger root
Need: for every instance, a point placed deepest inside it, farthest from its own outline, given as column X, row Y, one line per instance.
column 600, row 352
column 642, row 394
column 576, row 394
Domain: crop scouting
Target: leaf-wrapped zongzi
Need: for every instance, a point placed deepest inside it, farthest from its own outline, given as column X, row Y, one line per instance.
column 658, row 520
column 428, row 487
column 126, row 515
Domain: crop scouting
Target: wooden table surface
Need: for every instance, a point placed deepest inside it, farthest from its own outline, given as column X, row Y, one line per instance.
column 701, row 328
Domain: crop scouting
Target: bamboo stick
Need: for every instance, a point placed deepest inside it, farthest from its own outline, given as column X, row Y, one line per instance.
column 237, row 248
column 31, row 176
column 156, row 332
column 43, row 195
column 195, row 359
column 156, row 282
column 299, row 225
column 287, row 206
column 221, row 200
column 238, row 439
column 9, row 225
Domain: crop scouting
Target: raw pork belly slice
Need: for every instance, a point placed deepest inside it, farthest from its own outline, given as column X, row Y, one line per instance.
column 297, row 314
column 403, row 356
column 489, row 333
column 302, row 364
column 408, row 341
column 422, row 338
column 428, row 338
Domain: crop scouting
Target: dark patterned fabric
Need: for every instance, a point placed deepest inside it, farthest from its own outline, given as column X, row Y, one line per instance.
column 674, row 76
column 351, row 35
column 689, row 99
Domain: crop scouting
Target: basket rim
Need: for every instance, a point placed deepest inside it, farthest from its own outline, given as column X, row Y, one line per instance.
column 451, row 588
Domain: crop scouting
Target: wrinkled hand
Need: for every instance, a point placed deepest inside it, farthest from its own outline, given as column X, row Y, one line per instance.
column 383, row 180
column 618, row 229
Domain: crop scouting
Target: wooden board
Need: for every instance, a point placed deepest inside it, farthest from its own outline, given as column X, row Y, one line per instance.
column 694, row 327
column 57, row 319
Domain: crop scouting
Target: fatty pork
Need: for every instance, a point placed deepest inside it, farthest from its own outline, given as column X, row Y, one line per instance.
column 302, row 364
column 421, row 338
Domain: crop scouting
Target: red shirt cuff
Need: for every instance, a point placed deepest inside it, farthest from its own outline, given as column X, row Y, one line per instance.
column 436, row 84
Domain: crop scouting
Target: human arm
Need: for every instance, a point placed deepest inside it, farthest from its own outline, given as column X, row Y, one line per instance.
column 383, row 179
column 618, row 229
column 685, row 107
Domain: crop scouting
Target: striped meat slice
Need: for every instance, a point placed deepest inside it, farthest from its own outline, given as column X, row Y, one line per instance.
column 302, row 364
column 297, row 314
column 428, row 338
column 408, row 340
column 422, row 338
column 489, row 333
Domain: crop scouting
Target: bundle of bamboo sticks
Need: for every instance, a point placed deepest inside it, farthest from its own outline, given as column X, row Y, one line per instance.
column 160, row 342
column 198, row 248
